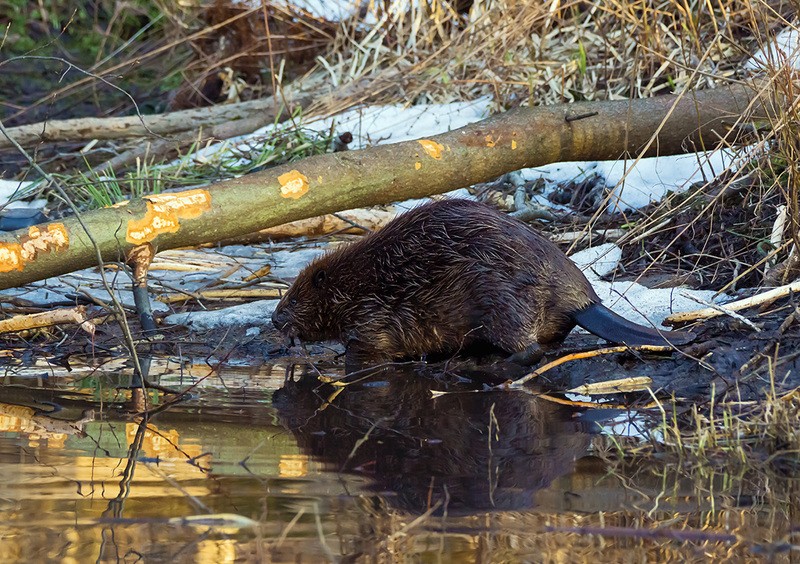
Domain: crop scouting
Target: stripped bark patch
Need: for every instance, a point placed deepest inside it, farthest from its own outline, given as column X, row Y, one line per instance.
column 11, row 257
column 294, row 184
column 14, row 256
column 164, row 212
column 432, row 148
column 186, row 205
column 150, row 226
column 491, row 141
column 53, row 237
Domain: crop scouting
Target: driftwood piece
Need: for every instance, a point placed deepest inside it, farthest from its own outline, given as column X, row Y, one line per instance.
column 75, row 315
column 321, row 184
column 758, row 299
column 618, row 386
column 231, row 294
column 221, row 121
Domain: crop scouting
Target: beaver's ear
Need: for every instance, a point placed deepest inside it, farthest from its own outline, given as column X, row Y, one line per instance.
column 319, row 278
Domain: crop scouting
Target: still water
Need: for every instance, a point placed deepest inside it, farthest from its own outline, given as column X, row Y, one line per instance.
column 254, row 467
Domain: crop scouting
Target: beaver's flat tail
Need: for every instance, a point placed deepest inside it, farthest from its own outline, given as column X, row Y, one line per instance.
column 603, row 322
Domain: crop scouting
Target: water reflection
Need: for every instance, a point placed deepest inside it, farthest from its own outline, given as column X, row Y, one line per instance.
column 461, row 452
column 379, row 471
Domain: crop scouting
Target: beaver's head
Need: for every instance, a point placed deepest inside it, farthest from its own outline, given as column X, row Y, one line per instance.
column 308, row 309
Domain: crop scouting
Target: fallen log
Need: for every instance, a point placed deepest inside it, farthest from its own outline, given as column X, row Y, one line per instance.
column 328, row 183
column 88, row 128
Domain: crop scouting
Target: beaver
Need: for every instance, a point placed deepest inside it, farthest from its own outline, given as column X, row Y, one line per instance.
column 444, row 277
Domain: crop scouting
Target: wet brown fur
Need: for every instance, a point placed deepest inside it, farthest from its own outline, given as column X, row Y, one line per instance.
column 438, row 279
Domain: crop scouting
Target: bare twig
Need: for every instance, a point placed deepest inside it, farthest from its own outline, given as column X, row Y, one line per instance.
column 771, row 295
column 580, row 355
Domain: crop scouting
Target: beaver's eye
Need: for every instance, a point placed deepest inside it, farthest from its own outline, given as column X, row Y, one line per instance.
column 319, row 278
column 293, row 302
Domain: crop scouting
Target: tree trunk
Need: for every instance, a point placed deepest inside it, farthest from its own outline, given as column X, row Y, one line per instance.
column 220, row 117
column 338, row 181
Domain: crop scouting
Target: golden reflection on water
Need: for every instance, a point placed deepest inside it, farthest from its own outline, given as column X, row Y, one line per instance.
column 37, row 427
column 293, row 466
column 222, row 480
column 219, row 551
column 164, row 444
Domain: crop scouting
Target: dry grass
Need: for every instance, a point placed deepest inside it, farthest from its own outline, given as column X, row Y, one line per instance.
column 518, row 53
column 736, row 438
column 524, row 53
column 543, row 53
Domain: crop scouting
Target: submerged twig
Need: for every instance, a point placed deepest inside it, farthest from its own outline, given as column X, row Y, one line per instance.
column 674, row 534
column 577, row 356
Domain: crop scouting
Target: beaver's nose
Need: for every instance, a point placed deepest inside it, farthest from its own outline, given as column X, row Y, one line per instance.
column 280, row 318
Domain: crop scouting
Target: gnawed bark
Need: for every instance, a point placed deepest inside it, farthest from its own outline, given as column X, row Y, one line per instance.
column 328, row 183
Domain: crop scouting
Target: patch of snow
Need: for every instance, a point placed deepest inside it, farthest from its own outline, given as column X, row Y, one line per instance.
column 240, row 251
column 330, row 10
column 381, row 125
column 649, row 306
column 370, row 125
column 783, row 50
column 11, row 191
column 42, row 293
column 253, row 314
column 596, row 262
column 636, row 184
column 288, row 264
column 38, row 204
column 634, row 301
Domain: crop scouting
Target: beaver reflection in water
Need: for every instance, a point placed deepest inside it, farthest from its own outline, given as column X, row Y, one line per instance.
column 445, row 277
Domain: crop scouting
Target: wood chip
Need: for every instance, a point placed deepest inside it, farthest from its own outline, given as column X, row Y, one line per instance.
column 635, row 384
column 47, row 319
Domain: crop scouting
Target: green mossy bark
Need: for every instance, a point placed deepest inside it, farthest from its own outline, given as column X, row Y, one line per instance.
column 476, row 153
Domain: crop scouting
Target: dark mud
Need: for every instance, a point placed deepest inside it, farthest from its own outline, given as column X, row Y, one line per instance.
column 724, row 346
